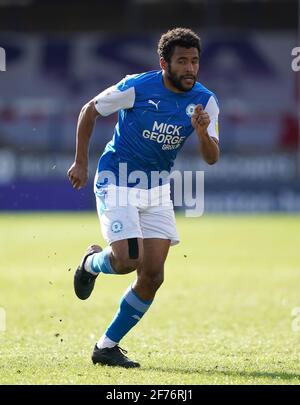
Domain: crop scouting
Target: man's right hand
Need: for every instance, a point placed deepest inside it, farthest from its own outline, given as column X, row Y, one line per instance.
column 78, row 175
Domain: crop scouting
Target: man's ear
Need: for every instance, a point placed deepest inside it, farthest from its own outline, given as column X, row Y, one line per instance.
column 163, row 64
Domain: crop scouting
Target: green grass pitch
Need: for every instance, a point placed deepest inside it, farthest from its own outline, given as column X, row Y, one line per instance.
column 223, row 315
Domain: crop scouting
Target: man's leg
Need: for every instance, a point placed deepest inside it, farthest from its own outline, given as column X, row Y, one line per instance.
column 122, row 257
column 134, row 303
column 123, row 254
column 150, row 274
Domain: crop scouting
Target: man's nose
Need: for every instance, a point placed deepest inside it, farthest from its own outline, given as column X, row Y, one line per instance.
column 189, row 68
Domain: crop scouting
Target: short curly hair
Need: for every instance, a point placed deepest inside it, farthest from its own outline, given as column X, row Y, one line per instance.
column 184, row 37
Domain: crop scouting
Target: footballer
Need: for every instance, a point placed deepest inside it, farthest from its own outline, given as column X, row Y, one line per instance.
column 157, row 112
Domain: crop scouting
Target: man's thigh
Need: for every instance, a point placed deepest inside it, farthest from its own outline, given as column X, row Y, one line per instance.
column 127, row 252
column 155, row 252
column 118, row 222
column 159, row 223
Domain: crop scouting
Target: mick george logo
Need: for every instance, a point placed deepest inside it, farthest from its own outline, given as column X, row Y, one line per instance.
column 2, row 60
column 166, row 134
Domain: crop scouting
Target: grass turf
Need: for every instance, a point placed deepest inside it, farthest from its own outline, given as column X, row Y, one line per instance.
column 223, row 315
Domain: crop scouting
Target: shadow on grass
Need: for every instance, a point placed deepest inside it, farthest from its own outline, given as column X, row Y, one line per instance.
column 256, row 374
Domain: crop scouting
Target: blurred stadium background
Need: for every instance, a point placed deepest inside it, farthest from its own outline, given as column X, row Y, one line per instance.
column 60, row 54
column 242, row 324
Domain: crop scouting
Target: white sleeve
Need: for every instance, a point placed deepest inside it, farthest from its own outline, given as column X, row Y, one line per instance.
column 212, row 110
column 113, row 99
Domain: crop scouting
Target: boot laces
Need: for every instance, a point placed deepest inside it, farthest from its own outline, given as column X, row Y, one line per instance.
column 123, row 351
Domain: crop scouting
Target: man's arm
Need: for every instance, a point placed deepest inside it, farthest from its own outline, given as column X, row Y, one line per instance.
column 209, row 147
column 107, row 102
column 78, row 172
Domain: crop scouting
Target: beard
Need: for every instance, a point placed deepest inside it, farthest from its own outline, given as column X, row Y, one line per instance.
column 177, row 81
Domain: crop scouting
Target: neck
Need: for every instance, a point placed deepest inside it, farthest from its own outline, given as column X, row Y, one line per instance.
column 168, row 84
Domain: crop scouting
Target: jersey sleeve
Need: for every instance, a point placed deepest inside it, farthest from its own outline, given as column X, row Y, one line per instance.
column 117, row 97
column 212, row 110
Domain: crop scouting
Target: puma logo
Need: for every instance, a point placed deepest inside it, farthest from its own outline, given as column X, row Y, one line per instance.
column 152, row 102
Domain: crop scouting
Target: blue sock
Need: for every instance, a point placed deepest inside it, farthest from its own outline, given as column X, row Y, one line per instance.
column 131, row 310
column 101, row 263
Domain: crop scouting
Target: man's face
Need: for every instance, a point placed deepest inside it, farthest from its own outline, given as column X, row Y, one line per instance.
column 183, row 68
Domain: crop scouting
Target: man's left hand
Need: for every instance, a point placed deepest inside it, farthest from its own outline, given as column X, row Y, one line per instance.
column 200, row 120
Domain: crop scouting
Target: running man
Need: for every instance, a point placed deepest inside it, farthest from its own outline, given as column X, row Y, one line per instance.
column 158, row 110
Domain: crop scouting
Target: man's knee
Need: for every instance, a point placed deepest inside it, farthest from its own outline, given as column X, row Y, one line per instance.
column 127, row 256
column 125, row 264
column 151, row 281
